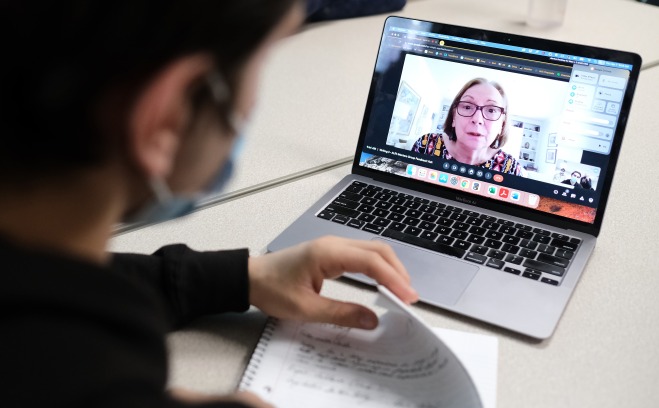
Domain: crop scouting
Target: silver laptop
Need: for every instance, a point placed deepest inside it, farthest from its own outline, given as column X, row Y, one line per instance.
column 485, row 160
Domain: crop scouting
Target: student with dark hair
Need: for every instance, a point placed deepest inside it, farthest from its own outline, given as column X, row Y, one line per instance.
column 475, row 130
column 129, row 110
column 586, row 183
column 574, row 180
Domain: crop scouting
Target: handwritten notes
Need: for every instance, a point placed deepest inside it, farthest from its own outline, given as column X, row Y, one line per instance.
column 400, row 364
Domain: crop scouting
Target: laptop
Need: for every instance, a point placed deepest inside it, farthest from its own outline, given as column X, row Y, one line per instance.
column 500, row 233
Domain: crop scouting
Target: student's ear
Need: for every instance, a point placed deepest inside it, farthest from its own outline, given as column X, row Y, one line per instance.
column 160, row 114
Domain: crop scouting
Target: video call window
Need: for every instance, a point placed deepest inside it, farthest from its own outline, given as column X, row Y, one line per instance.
column 547, row 124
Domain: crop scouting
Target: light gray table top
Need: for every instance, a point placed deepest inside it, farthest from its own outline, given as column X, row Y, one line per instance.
column 315, row 85
column 603, row 354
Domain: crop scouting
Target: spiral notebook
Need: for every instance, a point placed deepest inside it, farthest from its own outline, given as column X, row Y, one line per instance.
column 403, row 363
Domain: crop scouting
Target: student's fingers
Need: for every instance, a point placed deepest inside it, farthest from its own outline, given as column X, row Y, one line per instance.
column 280, row 282
column 373, row 260
column 387, row 253
column 324, row 310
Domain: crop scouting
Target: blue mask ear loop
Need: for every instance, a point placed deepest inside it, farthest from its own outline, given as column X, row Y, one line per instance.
column 220, row 92
column 224, row 175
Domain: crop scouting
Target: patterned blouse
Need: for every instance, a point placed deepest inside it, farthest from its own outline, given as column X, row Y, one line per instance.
column 432, row 143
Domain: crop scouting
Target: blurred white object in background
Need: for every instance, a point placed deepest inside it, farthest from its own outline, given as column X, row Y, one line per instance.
column 546, row 13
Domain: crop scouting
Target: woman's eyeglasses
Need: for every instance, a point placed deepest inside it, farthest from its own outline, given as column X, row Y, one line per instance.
column 490, row 112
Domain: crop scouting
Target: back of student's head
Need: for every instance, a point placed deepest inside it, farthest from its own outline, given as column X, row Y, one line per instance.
column 62, row 58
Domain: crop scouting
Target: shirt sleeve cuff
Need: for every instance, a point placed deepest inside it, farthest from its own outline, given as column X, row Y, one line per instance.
column 212, row 282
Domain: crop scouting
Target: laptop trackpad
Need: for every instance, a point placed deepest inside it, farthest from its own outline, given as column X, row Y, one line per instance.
column 439, row 279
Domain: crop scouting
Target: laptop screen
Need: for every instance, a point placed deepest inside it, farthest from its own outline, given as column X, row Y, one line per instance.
column 486, row 115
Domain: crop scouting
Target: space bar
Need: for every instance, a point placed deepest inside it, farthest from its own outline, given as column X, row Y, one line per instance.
column 423, row 243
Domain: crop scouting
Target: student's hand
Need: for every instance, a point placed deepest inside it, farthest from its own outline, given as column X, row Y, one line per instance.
column 286, row 284
column 242, row 397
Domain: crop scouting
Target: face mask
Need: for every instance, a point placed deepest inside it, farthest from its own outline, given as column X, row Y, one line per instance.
column 573, row 180
column 168, row 206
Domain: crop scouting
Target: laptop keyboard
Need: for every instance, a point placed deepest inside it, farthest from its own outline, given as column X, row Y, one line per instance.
column 515, row 248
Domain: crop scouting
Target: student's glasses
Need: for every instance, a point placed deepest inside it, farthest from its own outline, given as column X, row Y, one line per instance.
column 490, row 112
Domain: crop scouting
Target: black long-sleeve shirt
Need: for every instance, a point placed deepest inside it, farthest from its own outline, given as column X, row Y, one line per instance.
column 76, row 334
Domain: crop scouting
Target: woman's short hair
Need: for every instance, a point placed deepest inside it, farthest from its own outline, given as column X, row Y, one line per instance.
column 502, row 138
column 63, row 58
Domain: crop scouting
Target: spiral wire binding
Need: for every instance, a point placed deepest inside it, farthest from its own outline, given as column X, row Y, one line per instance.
column 258, row 353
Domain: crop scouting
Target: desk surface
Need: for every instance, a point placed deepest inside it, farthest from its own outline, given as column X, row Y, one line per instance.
column 316, row 84
column 603, row 353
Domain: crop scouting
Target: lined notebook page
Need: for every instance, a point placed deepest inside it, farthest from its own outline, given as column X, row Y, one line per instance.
column 479, row 355
column 402, row 363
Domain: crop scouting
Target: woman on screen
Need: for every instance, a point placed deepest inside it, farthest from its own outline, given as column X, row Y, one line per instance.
column 475, row 130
